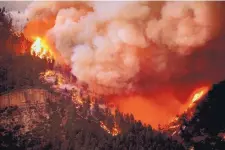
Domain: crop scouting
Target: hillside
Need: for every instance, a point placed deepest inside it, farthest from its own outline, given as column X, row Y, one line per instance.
column 203, row 125
column 60, row 125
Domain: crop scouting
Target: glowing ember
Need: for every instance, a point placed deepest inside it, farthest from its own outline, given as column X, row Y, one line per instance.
column 41, row 49
column 115, row 130
column 76, row 97
column 104, row 127
column 49, row 73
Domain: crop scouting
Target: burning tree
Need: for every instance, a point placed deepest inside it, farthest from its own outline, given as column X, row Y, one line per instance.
column 18, row 68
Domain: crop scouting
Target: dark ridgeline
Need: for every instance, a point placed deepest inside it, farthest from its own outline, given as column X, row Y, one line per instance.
column 205, row 130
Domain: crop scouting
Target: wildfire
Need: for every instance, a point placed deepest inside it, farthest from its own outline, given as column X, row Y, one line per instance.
column 115, row 130
column 40, row 49
column 194, row 97
column 198, row 94
column 48, row 73
column 78, row 96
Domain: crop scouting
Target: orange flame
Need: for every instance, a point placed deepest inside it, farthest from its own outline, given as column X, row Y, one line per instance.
column 40, row 49
column 198, row 94
column 115, row 130
column 104, row 127
column 194, row 97
column 79, row 98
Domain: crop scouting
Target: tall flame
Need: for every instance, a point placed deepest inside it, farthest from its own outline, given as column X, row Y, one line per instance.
column 40, row 49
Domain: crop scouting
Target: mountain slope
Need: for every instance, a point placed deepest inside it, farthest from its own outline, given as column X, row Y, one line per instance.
column 203, row 125
column 60, row 125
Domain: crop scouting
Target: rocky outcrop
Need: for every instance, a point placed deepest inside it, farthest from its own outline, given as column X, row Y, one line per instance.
column 25, row 96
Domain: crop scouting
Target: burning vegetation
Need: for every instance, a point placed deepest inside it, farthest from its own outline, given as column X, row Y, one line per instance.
column 138, row 61
column 158, row 55
column 80, row 97
column 198, row 94
column 92, row 63
column 41, row 49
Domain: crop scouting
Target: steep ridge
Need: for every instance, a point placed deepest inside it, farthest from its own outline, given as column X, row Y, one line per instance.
column 203, row 124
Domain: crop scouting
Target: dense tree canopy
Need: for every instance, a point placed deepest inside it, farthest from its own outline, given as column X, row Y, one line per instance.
column 60, row 125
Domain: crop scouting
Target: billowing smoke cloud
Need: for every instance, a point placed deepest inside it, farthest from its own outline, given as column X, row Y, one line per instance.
column 144, row 47
column 108, row 44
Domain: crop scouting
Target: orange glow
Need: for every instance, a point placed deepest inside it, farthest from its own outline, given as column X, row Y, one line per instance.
column 150, row 110
column 76, row 97
column 40, row 49
column 194, row 97
column 159, row 108
column 38, row 27
column 198, row 94
column 115, row 130
column 48, row 73
column 103, row 126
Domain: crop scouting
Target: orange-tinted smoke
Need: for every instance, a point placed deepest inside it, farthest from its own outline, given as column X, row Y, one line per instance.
column 162, row 54
column 38, row 27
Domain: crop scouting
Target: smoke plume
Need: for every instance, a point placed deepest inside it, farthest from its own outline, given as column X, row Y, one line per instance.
column 134, row 47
